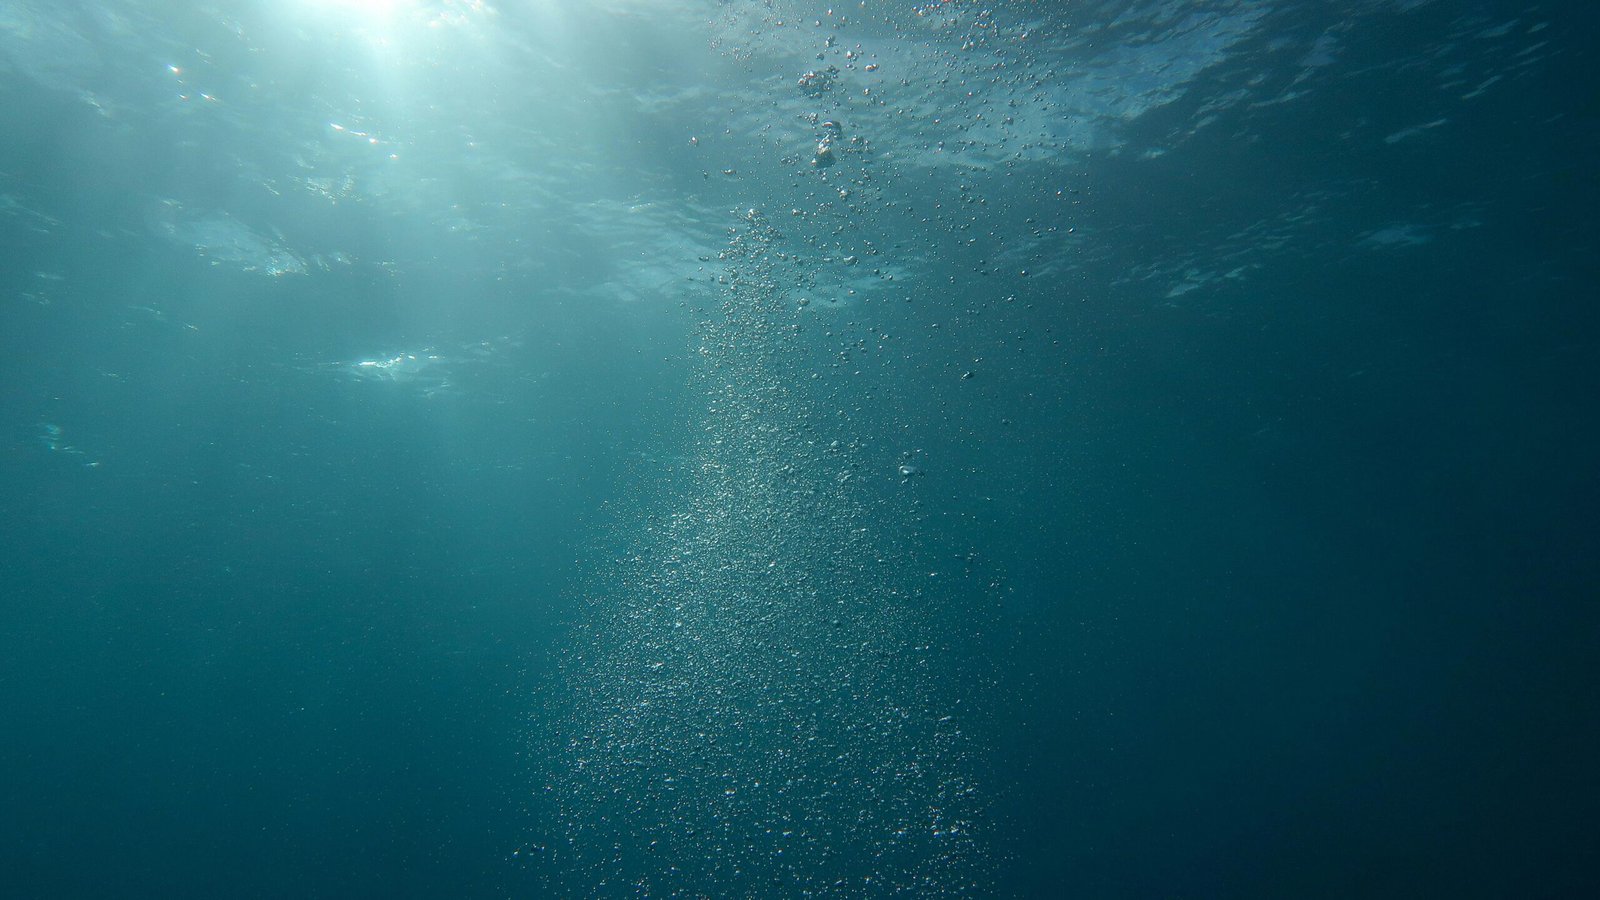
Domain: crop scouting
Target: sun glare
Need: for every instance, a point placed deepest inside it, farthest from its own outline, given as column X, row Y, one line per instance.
column 389, row 14
column 366, row 9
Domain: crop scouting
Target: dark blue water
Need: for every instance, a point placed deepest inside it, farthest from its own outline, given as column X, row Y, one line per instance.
column 748, row 449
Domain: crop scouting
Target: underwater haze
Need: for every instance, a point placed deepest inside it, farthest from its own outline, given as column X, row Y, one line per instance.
column 765, row 448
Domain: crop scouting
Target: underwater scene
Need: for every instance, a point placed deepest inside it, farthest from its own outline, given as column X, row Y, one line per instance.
column 772, row 448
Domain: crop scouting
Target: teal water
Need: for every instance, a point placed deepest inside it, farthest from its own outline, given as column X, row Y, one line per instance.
column 675, row 448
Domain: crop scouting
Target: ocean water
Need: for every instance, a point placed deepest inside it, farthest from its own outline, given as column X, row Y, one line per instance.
column 754, row 448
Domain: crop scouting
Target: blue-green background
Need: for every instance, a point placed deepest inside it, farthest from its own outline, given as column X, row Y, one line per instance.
column 1247, row 349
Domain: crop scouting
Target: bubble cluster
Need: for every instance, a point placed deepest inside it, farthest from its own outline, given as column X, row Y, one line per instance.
column 754, row 710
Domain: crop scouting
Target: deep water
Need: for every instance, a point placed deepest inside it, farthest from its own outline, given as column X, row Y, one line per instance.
column 673, row 448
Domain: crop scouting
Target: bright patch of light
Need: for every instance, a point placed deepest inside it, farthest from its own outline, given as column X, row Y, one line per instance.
column 368, row 13
column 368, row 9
